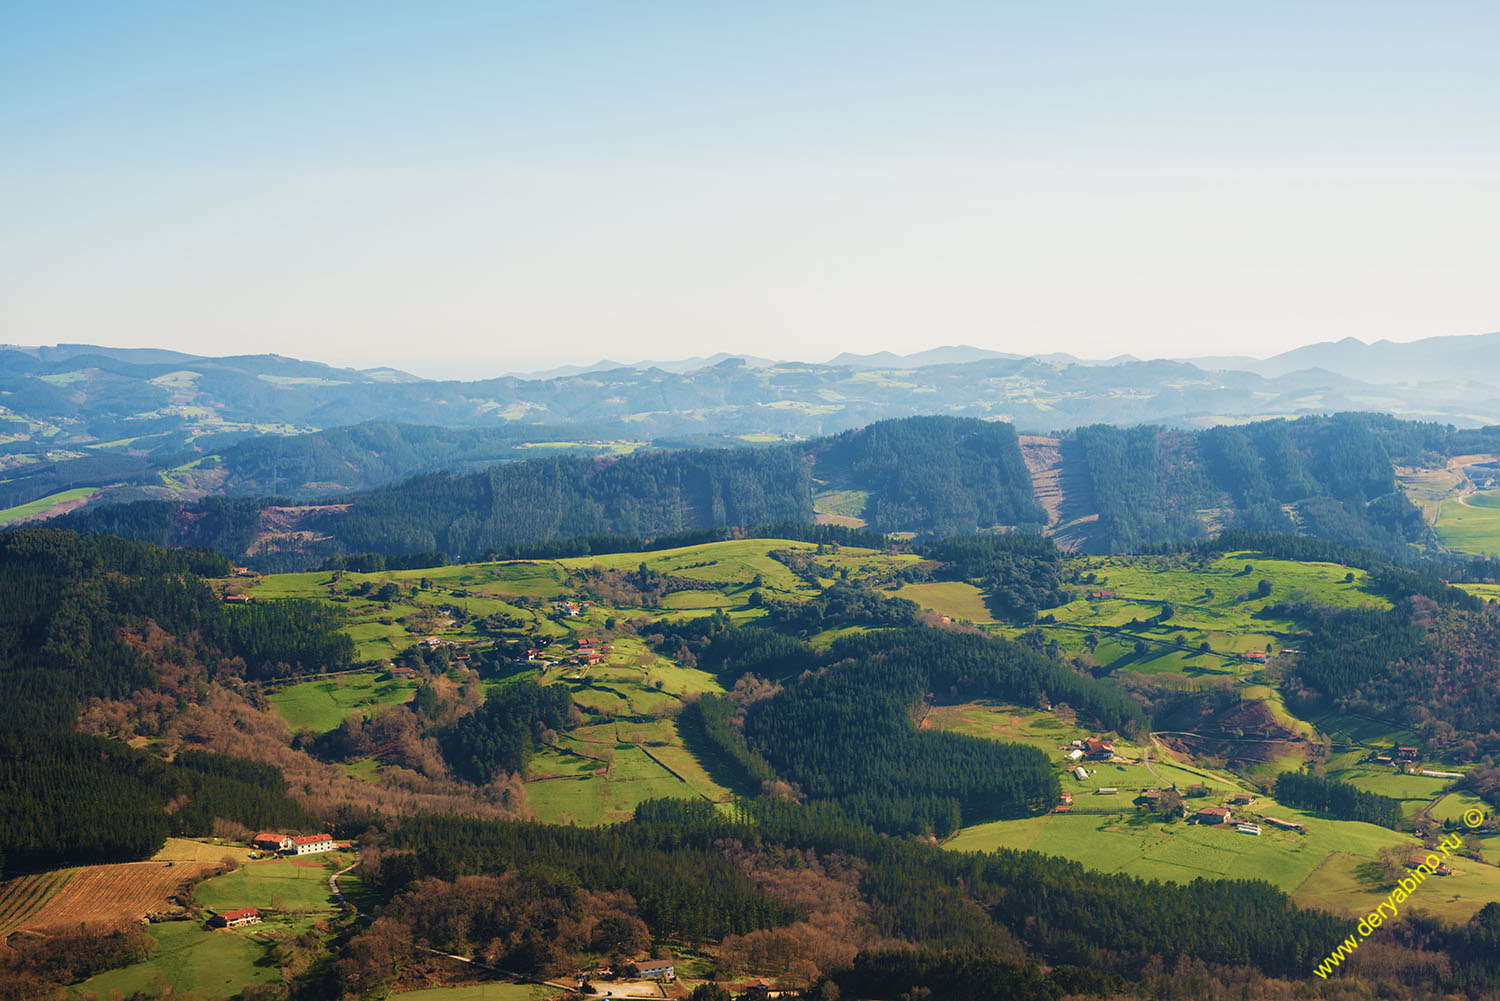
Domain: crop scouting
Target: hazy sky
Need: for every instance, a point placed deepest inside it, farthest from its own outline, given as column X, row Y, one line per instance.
column 468, row 188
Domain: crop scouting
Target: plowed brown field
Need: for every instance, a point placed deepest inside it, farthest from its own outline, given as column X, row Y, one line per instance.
column 95, row 894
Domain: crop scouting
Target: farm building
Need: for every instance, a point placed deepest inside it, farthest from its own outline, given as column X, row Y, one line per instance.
column 1075, row 754
column 237, row 599
column 272, row 842
column 235, row 918
column 313, row 843
column 1241, row 800
column 1406, row 754
column 1443, row 869
column 656, row 969
column 1098, row 749
column 1066, row 799
column 1106, row 791
column 1080, row 774
column 402, row 672
column 1148, row 798
column 1286, row 825
column 1211, row 815
column 1440, row 775
column 1248, row 829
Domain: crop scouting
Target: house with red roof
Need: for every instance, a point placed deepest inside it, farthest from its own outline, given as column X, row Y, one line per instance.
column 313, row 843
column 271, row 842
column 235, row 918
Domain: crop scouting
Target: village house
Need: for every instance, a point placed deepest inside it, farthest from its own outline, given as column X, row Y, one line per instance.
column 1211, row 815
column 313, row 843
column 1098, row 749
column 1241, row 800
column 1066, row 799
column 656, row 969
column 235, row 918
column 402, row 672
column 236, row 599
column 1406, row 754
column 1149, row 799
column 272, row 842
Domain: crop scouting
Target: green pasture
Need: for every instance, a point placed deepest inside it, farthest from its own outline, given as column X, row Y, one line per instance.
column 1135, row 844
column 1470, row 524
column 43, row 504
column 322, row 704
column 194, row 961
column 1352, row 885
column 289, row 884
column 841, row 503
column 732, row 564
column 599, row 797
column 954, row 599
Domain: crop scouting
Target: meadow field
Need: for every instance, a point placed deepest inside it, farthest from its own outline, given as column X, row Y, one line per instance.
column 1470, row 524
column 190, row 960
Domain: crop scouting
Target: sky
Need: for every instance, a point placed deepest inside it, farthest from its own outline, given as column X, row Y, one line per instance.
column 464, row 189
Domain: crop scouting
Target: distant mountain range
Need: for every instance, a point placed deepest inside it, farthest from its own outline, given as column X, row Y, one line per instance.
column 144, row 422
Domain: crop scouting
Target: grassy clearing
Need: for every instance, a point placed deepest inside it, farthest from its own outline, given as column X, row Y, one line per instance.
column 44, row 504
column 1470, row 524
column 842, row 503
column 321, row 705
column 1348, row 884
column 1149, row 849
column 283, row 884
column 194, row 961
column 600, row 796
column 734, row 563
column 955, row 599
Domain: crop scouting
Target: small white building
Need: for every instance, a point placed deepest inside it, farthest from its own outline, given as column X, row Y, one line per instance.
column 1249, row 829
column 1080, row 773
column 1075, row 754
column 313, row 843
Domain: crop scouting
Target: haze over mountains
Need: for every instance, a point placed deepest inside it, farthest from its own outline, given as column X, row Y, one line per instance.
column 87, row 424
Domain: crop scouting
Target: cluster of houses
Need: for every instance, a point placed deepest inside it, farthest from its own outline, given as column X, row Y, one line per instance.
column 572, row 609
column 1094, row 749
column 586, row 653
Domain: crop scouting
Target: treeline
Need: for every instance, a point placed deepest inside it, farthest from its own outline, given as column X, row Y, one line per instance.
column 72, row 799
column 1339, row 800
column 682, row 889
column 1335, row 472
column 502, row 734
column 1020, row 573
column 67, row 602
column 839, row 606
column 845, row 734
column 604, row 545
column 934, row 474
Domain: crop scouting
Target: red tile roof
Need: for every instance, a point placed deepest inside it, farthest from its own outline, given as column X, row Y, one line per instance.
column 311, row 839
column 243, row 912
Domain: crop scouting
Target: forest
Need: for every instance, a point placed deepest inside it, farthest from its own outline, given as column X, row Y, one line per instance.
column 72, row 799
column 1337, row 799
